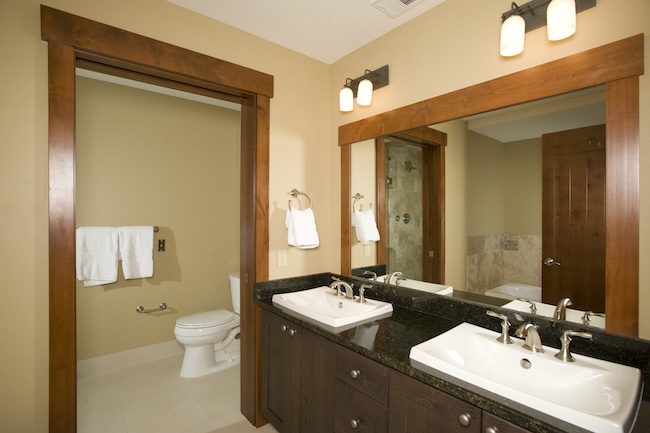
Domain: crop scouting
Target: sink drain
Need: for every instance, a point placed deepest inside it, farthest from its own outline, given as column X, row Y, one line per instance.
column 525, row 362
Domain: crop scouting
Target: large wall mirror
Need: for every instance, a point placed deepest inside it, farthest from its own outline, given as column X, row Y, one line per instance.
column 498, row 135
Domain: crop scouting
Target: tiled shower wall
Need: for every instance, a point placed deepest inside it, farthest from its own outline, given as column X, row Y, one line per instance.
column 493, row 260
column 404, row 188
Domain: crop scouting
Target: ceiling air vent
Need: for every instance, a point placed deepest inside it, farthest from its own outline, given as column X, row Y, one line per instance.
column 394, row 8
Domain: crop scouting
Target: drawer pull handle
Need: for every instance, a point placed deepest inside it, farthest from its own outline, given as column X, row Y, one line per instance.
column 292, row 332
column 464, row 419
column 492, row 430
column 284, row 328
column 355, row 374
column 355, row 423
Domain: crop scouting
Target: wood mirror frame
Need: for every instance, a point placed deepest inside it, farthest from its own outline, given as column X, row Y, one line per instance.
column 74, row 41
column 617, row 66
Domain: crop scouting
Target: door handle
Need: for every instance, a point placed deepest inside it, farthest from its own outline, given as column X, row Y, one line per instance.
column 550, row 262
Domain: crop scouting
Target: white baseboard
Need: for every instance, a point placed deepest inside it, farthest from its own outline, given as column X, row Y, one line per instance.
column 128, row 358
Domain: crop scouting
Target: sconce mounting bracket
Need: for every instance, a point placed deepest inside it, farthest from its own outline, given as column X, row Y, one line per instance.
column 534, row 12
column 379, row 78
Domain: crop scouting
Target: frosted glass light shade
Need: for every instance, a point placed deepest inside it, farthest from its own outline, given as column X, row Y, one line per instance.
column 364, row 93
column 513, row 31
column 561, row 19
column 346, row 99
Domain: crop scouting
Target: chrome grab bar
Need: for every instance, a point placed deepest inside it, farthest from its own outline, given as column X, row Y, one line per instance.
column 141, row 309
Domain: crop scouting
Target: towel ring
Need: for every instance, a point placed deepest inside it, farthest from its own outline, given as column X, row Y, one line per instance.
column 356, row 198
column 295, row 193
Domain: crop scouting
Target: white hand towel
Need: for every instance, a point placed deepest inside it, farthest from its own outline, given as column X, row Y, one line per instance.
column 136, row 251
column 302, row 228
column 97, row 255
column 366, row 227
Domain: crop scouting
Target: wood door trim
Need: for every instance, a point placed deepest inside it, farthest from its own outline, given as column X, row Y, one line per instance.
column 617, row 65
column 71, row 38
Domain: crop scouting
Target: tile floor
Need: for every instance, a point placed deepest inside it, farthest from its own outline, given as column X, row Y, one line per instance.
column 153, row 398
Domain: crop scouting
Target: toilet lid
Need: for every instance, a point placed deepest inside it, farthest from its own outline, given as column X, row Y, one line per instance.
column 205, row 319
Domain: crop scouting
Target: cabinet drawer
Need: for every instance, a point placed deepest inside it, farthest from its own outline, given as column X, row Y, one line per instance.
column 355, row 412
column 492, row 423
column 362, row 373
column 419, row 408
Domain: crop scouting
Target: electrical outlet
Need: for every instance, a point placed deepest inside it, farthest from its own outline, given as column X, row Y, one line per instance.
column 366, row 250
column 282, row 258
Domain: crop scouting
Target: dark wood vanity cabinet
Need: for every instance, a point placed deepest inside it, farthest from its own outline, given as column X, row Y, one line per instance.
column 313, row 385
column 360, row 393
column 297, row 377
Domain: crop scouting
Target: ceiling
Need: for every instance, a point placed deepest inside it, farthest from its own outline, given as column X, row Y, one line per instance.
column 325, row 30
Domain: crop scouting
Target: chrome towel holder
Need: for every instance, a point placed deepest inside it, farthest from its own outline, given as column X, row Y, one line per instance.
column 295, row 193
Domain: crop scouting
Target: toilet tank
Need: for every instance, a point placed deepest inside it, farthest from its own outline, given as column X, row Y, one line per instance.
column 234, row 292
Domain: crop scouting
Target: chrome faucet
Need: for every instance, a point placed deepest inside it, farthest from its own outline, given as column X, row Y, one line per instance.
column 390, row 276
column 560, row 310
column 565, row 354
column 586, row 318
column 362, row 291
column 529, row 332
column 349, row 294
column 370, row 274
column 505, row 326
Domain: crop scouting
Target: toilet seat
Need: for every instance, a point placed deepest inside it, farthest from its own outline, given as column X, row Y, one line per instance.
column 206, row 319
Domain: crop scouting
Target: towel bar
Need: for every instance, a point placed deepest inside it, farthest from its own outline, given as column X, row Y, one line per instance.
column 141, row 309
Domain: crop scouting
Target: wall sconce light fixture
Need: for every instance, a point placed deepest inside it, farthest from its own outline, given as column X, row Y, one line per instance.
column 362, row 88
column 558, row 15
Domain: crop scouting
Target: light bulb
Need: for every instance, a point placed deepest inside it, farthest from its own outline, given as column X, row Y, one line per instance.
column 364, row 93
column 346, row 99
column 513, row 31
column 561, row 19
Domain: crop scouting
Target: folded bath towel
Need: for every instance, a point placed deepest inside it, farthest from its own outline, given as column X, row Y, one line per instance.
column 97, row 255
column 302, row 228
column 136, row 251
column 364, row 222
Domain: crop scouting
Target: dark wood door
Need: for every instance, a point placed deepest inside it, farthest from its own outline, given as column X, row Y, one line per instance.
column 573, row 217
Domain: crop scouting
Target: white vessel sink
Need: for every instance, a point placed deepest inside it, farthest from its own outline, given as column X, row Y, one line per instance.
column 424, row 286
column 547, row 310
column 336, row 313
column 596, row 395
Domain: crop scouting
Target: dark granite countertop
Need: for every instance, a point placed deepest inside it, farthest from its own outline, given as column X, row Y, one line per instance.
column 418, row 317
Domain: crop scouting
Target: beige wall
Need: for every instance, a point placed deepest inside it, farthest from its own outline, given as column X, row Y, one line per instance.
column 452, row 46
column 485, row 185
column 523, row 187
column 146, row 158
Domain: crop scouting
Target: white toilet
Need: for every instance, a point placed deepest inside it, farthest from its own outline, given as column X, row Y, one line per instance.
column 211, row 338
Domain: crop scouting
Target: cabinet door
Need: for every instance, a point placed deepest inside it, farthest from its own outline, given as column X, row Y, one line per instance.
column 494, row 424
column 297, row 377
column 419, row 408
column 276, row 372
column 312, row 361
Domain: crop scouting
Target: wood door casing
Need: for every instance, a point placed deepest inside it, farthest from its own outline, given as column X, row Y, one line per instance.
column 433, row 144
column 73, row 39
column 573, row 217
